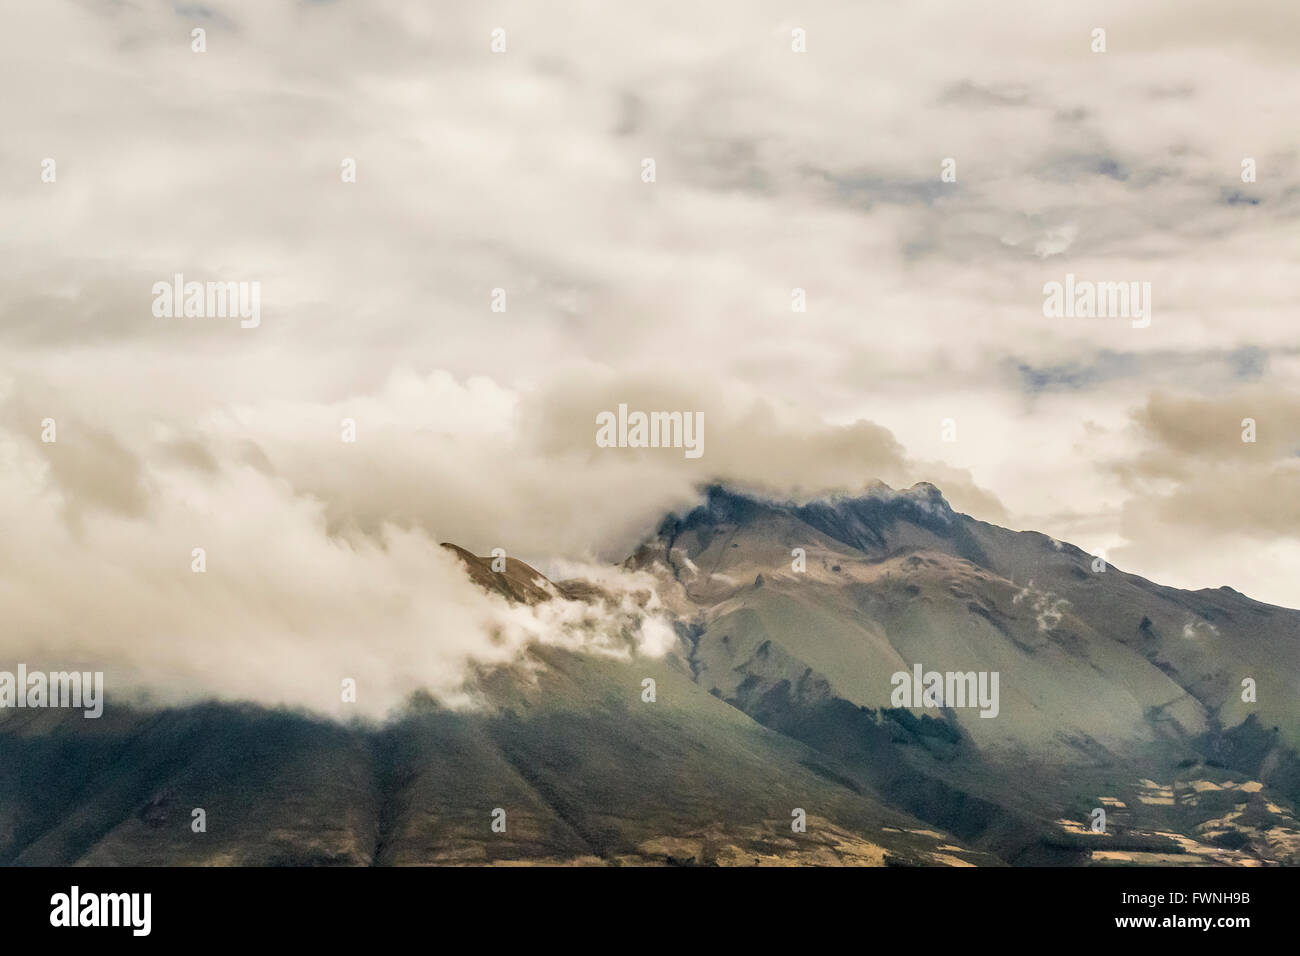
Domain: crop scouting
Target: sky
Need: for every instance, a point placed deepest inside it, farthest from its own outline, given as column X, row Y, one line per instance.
column 795, row 145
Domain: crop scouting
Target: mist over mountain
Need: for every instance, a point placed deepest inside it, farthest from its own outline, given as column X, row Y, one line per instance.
column 749, row 684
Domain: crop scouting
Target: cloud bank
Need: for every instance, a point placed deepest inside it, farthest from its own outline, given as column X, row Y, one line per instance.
column 923, row 353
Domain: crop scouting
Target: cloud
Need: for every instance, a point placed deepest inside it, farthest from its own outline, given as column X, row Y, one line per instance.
column 1199, row 471
column 521, row 172
column 283, row 612
column 1189, row 430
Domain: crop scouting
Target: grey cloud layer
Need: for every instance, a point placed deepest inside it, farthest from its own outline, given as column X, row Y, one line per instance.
column 521, row 171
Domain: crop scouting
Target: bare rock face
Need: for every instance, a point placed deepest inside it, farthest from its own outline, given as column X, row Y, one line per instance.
column 515, row 580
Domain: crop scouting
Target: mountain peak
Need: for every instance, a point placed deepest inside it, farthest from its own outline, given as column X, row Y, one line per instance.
column 860, row 520
column 734, row 505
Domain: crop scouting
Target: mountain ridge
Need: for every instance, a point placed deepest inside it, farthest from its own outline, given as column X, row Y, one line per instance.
column 791, row 620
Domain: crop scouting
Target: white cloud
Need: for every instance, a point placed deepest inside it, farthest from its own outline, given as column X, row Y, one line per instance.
column 521, row 171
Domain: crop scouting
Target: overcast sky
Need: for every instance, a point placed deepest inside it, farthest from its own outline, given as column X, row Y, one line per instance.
column 522, row 170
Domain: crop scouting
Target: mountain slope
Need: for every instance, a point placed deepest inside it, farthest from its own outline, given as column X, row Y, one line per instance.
column 805, row 611
column 1113, row 692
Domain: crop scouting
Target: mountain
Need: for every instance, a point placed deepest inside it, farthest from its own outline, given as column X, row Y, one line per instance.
column 1114, row 692
column 779, row 699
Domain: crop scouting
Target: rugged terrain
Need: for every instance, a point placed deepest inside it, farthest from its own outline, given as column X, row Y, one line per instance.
column 1115, row 693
